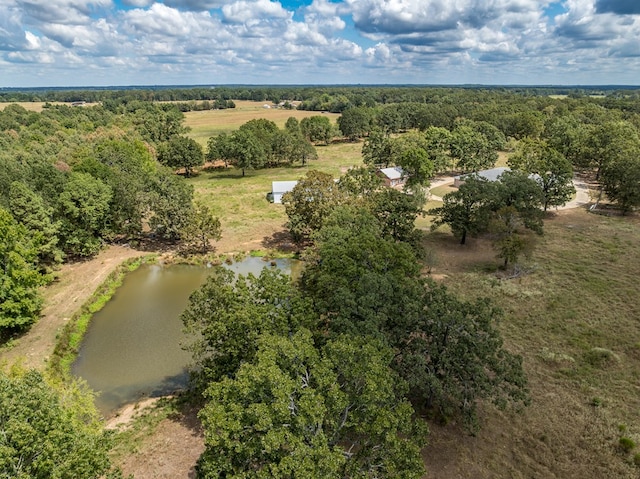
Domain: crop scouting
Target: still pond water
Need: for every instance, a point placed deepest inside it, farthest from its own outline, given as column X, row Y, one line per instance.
column 132, row 348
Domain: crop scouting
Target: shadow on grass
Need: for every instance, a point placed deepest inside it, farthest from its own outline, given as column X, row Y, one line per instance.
column 281, row 241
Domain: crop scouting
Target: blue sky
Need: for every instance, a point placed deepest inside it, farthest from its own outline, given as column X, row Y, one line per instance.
column 145, row 42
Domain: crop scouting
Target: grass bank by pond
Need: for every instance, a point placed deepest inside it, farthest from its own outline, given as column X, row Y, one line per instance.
column 69, row 340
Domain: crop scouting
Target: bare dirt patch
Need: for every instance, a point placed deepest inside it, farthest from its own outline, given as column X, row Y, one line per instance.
column 75, row 283
column 171, row 452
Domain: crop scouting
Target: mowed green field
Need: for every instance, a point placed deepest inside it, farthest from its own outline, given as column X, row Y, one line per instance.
column 248, row 219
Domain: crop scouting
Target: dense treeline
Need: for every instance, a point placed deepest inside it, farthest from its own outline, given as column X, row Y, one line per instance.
column 331, row 98
column 72, row 179
column 548, row 138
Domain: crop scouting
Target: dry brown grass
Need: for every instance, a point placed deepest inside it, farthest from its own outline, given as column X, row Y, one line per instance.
column 36, row 106
column 581, row 294
column 208, row 123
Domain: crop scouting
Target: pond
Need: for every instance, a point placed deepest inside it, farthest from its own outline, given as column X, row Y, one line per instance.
column 132, row 348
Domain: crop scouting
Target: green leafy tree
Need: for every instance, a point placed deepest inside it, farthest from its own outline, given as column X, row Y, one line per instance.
column 356, row 122
column 397, row 212
column 292, row 125
column 355, row 273
column 494, row 136
column 621, row 181
column 181, row 152
column 201, row 229
column 83, row 207
column 317, row 129
column 377, row 149
column 511, row 239
column 452, row 356
column 471, row 150
column 299, row 412
column 468, row 210
column 310, row 202
column 29, row 209
column 292, row 147
column 548, row 167
column 516, row 189
column 611, row 141
column 417, row 166
column 360, row 184
column 170, row 205
column 302, row 150
column 158, row 123
column 568, row 135
column 438, row 142
column 220, row 148
column 226, row 317
column 46, row 434
column 247, row 150
column 126, row 166
column 20, row 300
column 527, row 123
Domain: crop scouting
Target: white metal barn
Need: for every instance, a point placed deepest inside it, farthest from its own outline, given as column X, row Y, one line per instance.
column 279, row 188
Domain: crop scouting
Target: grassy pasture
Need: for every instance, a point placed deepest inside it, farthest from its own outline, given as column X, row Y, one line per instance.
column 575, row 319
column 208, row 123
column 36, row 106
column 240, row 202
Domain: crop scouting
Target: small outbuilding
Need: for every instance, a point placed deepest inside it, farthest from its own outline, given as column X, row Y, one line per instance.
column 393, row 176
column 279, row 188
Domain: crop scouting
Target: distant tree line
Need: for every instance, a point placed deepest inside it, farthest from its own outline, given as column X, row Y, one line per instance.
column 336, row 98
column 259, row 143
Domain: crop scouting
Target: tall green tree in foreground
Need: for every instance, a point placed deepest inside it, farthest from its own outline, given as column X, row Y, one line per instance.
column 448, row 351
column 310, row 202
column 452, row 356
column 45, row 433
column 227, row 316
column 300, row 412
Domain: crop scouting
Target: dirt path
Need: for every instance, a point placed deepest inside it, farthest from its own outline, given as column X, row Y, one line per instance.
column 582, row 197
column 76, row 283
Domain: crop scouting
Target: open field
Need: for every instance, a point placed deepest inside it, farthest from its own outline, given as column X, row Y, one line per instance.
column 37, row 106
column 208, row 123
column 249, row 221
column 575, row 320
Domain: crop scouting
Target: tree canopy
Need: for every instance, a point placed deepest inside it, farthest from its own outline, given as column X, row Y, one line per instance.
column 45, row 433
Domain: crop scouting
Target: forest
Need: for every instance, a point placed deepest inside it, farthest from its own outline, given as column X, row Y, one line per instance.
column 338, row 373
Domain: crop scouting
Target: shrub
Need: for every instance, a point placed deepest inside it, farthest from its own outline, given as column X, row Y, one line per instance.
column 626, row 444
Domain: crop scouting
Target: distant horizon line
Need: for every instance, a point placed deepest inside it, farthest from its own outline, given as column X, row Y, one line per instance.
column 607, row 86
